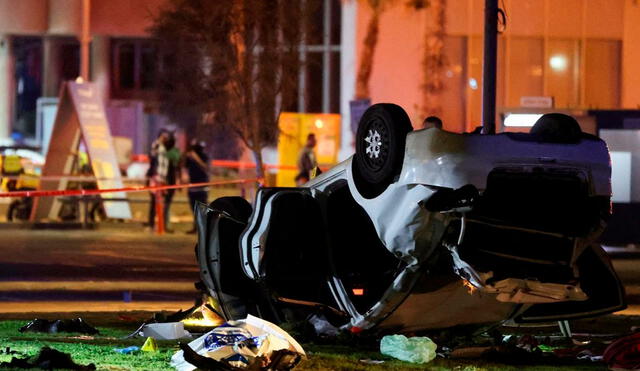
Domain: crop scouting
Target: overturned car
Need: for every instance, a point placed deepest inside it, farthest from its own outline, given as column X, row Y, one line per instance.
column 423, row 229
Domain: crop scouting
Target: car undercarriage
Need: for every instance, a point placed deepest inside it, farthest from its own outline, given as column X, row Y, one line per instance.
column 449, row 229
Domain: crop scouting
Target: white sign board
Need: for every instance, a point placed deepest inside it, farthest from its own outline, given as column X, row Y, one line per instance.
column 81, row 115
column 536, row 102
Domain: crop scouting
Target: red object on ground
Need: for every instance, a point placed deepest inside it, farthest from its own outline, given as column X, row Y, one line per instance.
column 355, row 330
column 624, row 353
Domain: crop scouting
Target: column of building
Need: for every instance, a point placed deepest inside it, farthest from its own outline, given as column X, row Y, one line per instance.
column 5, row 88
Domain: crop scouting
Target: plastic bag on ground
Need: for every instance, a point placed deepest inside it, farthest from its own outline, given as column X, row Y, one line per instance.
column 415, row 349
column 238, row 343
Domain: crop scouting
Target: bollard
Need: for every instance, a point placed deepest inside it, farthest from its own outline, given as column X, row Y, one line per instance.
column 159, row 212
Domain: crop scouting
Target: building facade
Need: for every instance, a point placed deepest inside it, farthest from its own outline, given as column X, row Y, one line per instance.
column 583, row 53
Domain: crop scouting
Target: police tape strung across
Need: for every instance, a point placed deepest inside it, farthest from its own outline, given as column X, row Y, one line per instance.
column 89, row 192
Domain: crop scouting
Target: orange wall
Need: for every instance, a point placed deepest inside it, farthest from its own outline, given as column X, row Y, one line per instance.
column 123, row 17
column 397, row 72
column 631, row 56
column 65, row 17
column 23, row 16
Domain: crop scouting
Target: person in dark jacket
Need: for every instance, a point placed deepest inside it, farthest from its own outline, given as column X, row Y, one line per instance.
column 195, row 162
column 306, row 161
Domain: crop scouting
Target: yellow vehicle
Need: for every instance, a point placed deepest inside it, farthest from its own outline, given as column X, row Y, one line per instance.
column 18, row 175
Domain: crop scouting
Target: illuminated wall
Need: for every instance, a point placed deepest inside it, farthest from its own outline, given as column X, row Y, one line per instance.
column 294, row 128
column 573, row 50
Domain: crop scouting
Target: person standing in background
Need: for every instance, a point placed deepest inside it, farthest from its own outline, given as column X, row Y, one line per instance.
column 195, row 162
column 172, row 177
column 306, row 161
column 156, row 173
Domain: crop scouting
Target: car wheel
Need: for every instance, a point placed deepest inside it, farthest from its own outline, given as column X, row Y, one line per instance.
column 380, row 144
column 557, row 128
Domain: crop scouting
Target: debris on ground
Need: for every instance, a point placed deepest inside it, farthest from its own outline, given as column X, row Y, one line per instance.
column 249, row 344
column 128, row 350
column 48, row 359
column 150, row 345
column 470, row 352
column 8, row 350
column 417, row 349
column 165, row 331
column 203, row 314
column 61, row 325
column 624, row 353
column 322, row 326
column 372, row 361
column 200, row 318
column 527, row 348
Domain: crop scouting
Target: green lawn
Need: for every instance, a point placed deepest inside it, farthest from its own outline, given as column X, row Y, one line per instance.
column 99, row 350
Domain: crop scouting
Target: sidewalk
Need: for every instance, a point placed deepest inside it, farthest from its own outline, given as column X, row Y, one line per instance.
column 91, row 306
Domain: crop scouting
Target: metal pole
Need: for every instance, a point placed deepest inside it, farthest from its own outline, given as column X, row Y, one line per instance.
column 489, row 66
column 160, row 227
column 85, row 40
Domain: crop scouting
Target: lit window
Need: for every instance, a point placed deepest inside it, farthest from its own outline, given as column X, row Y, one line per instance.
column 521, row 119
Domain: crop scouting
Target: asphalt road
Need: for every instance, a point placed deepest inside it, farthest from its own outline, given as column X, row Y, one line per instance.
column 114, row 264
column 124, row 263
column 123, row 253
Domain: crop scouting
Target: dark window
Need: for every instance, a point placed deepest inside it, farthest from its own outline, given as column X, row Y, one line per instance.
column 134, row 68
column 315, row 26
column 27, row 52
column 336, row 21
column 126, row 66
column 314, row 82
column 148, row 67
column 69, row 59
column 334, row 83
column 321, row 56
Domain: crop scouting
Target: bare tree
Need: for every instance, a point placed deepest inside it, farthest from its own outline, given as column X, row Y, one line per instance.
column 434, row 60
column 232, row 62
column 371, row 41
column 368, row 49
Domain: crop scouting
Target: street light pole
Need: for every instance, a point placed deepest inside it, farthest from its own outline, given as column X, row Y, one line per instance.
column 85, row 40
column 489, row 66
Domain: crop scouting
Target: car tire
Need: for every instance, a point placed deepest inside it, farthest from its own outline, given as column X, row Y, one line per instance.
column 557, row 128
column 380, row 145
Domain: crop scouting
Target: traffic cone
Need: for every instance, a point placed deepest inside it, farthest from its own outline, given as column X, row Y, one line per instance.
column 150, row 345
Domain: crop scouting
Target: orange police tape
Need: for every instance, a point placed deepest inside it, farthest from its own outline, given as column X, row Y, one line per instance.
column 89, row 192
column 159, row 209
column 251, row 165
